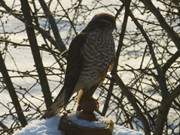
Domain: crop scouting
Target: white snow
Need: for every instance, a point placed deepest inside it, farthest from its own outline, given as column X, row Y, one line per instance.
column 100, row 123
column 41, row 127
column 50, row 127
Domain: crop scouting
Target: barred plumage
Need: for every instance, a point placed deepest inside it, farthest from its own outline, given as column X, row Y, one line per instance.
column 98, row 53
column 89, row 57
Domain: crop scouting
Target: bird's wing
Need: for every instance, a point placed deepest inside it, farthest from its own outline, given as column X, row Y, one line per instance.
column 73, row 69
column 74, row 64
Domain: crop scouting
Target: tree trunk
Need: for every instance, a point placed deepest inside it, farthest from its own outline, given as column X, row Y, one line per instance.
column 12, row 92
column 36, row 53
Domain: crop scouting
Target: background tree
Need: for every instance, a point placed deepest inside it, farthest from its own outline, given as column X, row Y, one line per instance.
column 143, row 90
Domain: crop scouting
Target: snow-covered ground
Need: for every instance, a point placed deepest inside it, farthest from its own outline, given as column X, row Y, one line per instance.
column 50, row 127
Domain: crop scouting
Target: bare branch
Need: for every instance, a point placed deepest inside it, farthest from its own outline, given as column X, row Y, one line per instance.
column 12, row 92
column 171, row 33
column 36, row 54
column 52, row 22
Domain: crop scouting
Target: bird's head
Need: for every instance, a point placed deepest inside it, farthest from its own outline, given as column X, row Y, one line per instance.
column 102, row 21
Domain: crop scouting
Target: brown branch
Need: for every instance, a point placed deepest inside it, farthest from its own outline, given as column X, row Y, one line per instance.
column 175, row 93
column 5, row 128
column 122, row 34
column 131, row 98
column 171, row 33
column 106, row 104
column 68, row 17
column 124, row 89
column 52, row 22
column 12, row 92
column 162, row 117
column 120, row 44
column 170, row 61
column 20, row 17
column 164, row 110
column 161, row 76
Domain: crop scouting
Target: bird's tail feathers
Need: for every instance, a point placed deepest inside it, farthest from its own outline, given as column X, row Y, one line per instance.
column 60, row 102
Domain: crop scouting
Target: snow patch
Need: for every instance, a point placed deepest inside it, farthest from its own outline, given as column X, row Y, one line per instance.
column 50, row 127
column 41, row 127
column 100, row 123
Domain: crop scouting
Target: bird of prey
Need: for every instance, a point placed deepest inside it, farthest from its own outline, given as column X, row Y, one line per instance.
column 90, row 55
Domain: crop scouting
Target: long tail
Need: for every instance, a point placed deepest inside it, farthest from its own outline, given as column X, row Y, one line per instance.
column 60, row 102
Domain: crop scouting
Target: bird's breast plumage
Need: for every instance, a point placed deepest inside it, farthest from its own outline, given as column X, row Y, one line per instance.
column 98, row 53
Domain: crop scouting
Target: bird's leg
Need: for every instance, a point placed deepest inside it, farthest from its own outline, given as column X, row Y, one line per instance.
column 79, row 96
column 86, row 106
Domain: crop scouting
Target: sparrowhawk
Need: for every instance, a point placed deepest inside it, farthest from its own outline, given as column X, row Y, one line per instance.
column 90, row 55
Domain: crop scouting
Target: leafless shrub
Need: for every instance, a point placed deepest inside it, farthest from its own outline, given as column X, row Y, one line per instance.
column 143, row 90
